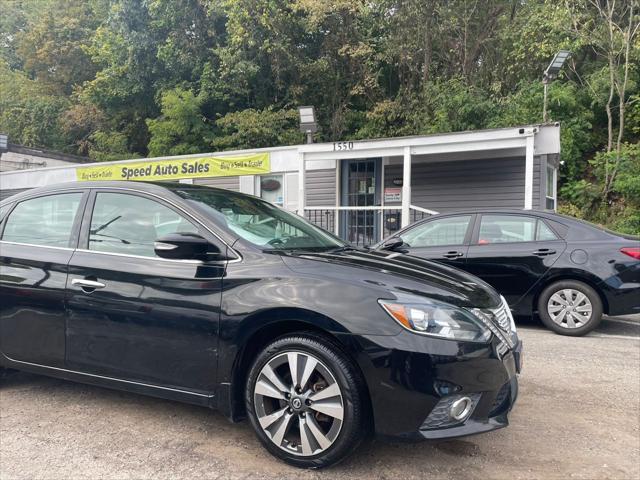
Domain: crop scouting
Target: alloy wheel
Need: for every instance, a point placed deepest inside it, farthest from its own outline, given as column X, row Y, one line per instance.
column 570, row 308
column 299, row 403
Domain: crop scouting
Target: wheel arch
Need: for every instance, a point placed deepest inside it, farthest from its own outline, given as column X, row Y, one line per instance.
column 266, row 326
column 583, row 277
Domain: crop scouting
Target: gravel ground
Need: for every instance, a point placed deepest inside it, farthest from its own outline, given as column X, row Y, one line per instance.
column 578, row 416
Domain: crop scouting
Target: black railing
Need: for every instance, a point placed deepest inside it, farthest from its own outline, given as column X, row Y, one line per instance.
column 360, row 226
column 417, row 215
column 322, row 218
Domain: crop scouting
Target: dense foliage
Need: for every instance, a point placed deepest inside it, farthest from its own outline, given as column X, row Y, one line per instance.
column 122, row 78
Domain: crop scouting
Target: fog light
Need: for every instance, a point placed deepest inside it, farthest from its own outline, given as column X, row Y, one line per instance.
column 461, row 408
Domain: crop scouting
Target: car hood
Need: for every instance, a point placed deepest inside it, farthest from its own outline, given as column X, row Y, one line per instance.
column 400, row 273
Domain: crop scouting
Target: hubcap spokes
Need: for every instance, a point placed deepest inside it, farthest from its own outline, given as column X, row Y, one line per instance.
column 299, row 403
column 569, row 308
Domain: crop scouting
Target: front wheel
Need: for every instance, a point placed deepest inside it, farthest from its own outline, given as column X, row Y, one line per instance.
column 304, row 401
column 570, row 307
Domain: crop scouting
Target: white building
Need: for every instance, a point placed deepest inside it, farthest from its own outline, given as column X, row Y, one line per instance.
column 18, row 157
column 363, row 190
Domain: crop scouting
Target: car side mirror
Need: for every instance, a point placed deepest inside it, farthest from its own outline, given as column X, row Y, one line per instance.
column 392, row 244
column 186, row 246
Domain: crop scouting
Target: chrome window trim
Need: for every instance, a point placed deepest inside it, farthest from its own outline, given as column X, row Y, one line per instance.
column 178, row 207
column 174, row 260
column 173, row 204
column 193, row 262
column 34, row 245
column 31, row 193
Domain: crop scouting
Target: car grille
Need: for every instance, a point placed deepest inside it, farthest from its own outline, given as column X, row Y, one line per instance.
column 500, row 322
column 502, row 317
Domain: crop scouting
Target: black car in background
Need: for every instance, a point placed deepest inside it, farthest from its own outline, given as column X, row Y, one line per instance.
column 568, row 270
column 223, row 300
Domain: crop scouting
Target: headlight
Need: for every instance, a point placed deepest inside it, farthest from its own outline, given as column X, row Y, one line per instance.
column 438, row 319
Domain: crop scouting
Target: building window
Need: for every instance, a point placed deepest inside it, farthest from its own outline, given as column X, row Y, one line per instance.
column 271, row 188
column 550, row 190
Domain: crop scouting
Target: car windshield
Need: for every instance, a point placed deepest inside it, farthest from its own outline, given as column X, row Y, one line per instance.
column 260, row 222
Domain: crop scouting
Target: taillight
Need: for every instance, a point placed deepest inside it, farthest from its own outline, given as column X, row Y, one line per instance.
column 632, row 252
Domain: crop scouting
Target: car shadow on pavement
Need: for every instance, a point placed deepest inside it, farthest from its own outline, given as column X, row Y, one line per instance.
column 125, row 421
column 628, row 325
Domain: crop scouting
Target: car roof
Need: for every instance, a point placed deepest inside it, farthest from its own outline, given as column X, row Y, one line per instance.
column 577, row 225
column 149, row 187
column 498, row 211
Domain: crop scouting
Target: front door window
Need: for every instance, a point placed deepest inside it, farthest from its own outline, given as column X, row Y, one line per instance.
column 129, row 224
column 445, row 231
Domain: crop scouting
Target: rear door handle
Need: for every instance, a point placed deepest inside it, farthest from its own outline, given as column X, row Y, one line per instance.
column 87, row 284
column 453, row 255
column 544, row 252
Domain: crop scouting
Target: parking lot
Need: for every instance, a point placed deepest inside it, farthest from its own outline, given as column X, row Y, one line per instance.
column 578, row 416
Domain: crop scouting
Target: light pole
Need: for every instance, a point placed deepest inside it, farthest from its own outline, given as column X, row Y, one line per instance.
column 550, row 74
column 4, row 143
column 308, row 123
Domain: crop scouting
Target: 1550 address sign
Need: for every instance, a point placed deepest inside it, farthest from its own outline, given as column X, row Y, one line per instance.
column 338, row 146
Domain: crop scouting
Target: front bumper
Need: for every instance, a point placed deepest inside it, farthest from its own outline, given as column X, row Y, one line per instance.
column 411, row 378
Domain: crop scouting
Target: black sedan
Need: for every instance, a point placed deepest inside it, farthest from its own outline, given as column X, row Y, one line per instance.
column 223, row 300
column 567, row 270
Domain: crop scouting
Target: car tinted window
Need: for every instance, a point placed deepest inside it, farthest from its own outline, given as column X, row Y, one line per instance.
column 544, row 232
column 129, row 224
column 506, row 229
column 444, row 231
column 45, row 221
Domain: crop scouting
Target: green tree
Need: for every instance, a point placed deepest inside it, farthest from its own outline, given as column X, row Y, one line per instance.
column 118, row 78
column 258, row 128
column 181, row 129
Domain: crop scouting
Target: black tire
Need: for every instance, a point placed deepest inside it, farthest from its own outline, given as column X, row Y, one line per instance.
column 353, row 427
column 563, row 327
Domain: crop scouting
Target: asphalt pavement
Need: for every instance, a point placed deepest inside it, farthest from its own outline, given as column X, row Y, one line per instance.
column 578, row 416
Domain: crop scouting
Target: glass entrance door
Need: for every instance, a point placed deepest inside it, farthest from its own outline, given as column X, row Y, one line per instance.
column 361, row 183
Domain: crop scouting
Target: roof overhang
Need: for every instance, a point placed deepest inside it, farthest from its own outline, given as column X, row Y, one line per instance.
column 547, row 141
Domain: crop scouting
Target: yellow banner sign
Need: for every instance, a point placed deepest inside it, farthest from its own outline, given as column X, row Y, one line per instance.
column 181, row 168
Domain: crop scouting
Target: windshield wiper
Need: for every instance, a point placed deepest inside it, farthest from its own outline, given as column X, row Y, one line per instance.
column 105, row 225
column 344, row 248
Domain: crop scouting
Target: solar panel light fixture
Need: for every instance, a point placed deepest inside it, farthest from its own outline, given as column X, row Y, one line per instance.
column 556, row 64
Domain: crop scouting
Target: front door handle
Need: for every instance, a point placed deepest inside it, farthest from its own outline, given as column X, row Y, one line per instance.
column 543, row 252
column 453, row 255
column 87, row 285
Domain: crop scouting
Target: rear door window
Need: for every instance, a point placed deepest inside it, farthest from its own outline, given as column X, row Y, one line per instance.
column 544, row 233
column 513, row 229
column 45, row 221
column 506, row 229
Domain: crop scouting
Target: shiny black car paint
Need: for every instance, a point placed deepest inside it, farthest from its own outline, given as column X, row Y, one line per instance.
column 187, row 330
column 581, row 252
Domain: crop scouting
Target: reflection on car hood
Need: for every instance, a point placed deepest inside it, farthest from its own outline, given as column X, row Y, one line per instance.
column 404, row 273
